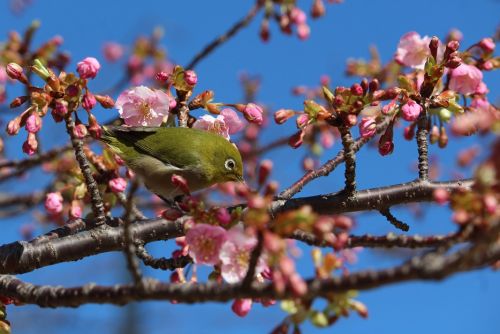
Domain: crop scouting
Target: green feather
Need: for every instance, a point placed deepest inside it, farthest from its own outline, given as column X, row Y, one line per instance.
column 198, row 155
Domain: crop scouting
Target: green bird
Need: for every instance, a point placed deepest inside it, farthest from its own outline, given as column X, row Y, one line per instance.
column 156, row 153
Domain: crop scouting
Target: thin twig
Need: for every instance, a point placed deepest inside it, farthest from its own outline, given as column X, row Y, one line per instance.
column 329, row 166
column 218, row 41
column 254, row 260
column 95, row 196
column 386, row 212
column 162, row 263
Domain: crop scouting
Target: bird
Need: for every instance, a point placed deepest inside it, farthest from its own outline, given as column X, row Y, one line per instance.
column 155, row 154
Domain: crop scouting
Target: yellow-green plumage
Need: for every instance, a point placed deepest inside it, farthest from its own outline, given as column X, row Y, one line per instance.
column 156, row 153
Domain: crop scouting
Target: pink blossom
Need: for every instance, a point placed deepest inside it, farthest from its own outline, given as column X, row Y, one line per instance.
column 233, row 122
column 3, row 75
column 30, row 146
column 465, row 79
column 205, row 243
column 33, row 123
column 242, row 306
column 143, row 106
column 190, row 77
column 212, row 124
column 112, row 51
column 54, row 203
column 88, row 68
column 482, row 89
column 303, row 31
column 117, row 185
column 413, row 50
column 253, row 113
column 367, row 127
column 235, row 255
column 410, row 110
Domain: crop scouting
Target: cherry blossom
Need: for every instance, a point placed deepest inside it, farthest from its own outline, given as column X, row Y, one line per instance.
column 205, row 242
column 413, row 50
column 143, row 106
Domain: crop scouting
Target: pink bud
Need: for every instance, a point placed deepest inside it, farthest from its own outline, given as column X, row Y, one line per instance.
column 242, row 306
column 367, row 127
column 265, row 168
column 282, row 115
column 14, row 126
column 161, row 76
column 54, row 203
column 75, row 211
column 112, row 51
column 171, row 214
column 410, row 110
column 31, row 144
column 190, row 77
column 33, row 123
column 253, row 113
column 88, row 101
column 441, row 196
column 117, row 185
column 296, row 140
column 181, row 183
column 223, row 216
column 303, row 31
column 298, row 16
column 356, row 90
column 80, row 131
column 487, row 44
column 327, row 139
column 487, row 65
column 88, row 68
column 14, row 71
column 302, row 121
column 490, row 203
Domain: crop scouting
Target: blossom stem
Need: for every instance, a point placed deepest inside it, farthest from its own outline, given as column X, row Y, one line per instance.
column 386, row 212
column 254, row 259
column 162, row 263
column 422, row 146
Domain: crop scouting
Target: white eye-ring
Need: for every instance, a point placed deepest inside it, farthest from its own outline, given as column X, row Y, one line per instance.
column 229, row 164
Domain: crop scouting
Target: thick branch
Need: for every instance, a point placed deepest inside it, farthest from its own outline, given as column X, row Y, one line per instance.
column 349, row 158
column 21, row 256
column 431, row 266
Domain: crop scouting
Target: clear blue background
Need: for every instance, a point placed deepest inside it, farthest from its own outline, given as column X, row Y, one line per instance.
column 461, row 304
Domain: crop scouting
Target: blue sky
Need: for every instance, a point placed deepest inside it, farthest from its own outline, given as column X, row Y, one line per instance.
column 461, row 304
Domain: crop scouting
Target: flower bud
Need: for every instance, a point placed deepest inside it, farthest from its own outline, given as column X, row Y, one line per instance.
column 117, row 185
column 282, row 115
column 356, row 90
column 487, row 45
column 75, row 210
column 441, row 196
column 265, row 168
column 18, row 101
column 171, row 214
column 88, row 68
column 303, row 31
column 318, row 9
column 264, row 32
column 88, row 101
column 433, row 47
column 53, row 203
column 434, row 134
column 94, row 127
column 223, row 216
column 253, row 113
column 112, row 51
column 30, row 146
column 411, row 110
column 241, row 307
column 33, row 123
column 373, row 86
column 302, row 120
column 105, row 101
column 409, row 132
column 190, row 77
column 367, row 127
column 80, row 131
column 296, row 140
column 385, row 144
column 349, row 119
column 14, row 126
column 180, row 182
column 443, row 138
column 15, row 71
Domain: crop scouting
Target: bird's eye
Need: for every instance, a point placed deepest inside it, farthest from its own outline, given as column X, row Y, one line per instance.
column 229, row 164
